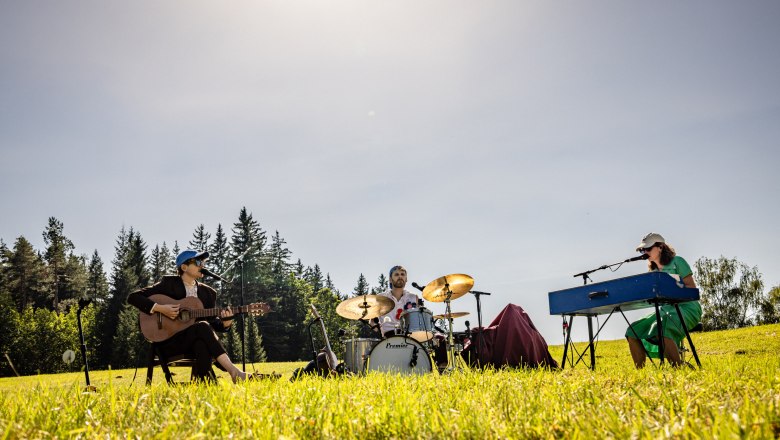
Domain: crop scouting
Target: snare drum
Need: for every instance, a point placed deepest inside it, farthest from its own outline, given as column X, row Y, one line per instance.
column 399, row 354
column 356, row 352
column 418, row 323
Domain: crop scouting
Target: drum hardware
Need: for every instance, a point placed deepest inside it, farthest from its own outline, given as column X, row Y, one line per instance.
column 445, row 289
column 451, row 315
column 450, row 287
column 365, row 307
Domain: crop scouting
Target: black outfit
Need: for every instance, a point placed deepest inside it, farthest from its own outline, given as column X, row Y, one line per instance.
column 199, row 339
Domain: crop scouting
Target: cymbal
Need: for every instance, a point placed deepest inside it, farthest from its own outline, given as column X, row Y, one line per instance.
column 459, row 285
column 365, row 307
column 450, row 315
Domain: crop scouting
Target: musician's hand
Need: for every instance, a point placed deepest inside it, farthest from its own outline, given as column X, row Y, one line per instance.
column 227, row 317
column 169, row 310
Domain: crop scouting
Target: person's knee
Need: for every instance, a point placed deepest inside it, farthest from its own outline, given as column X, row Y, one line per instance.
column 203, row 329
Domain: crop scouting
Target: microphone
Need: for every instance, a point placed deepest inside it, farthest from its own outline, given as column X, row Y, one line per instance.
column 211, row 274
column 417, row 286
column 641, row 257
column 477, row 292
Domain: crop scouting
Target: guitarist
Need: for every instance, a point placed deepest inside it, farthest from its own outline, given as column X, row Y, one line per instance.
column 199, row 339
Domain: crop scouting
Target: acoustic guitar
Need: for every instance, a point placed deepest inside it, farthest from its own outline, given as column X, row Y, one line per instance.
column 158, row 327
column 330, row 357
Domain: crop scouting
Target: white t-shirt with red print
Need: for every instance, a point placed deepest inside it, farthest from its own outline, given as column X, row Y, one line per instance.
column 392, row 320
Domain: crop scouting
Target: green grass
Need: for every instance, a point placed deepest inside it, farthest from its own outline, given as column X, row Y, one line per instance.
column 735, row 395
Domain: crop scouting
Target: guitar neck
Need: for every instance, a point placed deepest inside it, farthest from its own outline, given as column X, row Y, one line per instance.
column 216, row 311
column 325, row 336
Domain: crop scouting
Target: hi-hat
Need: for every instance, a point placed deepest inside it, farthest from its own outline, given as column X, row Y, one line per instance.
column 365, row 307
column 457, row 283
column 450, row 315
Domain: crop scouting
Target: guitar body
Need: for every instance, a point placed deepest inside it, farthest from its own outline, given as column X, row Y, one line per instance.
column 158, row 327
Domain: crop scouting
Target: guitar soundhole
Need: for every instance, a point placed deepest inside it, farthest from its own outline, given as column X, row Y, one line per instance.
column 184, row 315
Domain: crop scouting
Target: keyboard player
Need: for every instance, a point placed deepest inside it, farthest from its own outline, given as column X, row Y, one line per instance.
column 662, row 257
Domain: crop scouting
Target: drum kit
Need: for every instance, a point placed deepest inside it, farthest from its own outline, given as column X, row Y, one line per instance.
column 409, row 350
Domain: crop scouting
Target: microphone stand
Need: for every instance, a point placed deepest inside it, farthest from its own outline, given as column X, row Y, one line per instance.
column 240, row 262
column 479, row 323
column 567, row 340
column 83, row 303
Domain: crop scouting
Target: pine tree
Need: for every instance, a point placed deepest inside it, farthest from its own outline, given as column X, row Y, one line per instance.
column 382, row 285
column 279, row 258
column 127, row 342
column 137, row 259
column 74, row 281
column 97, row 284
column 298, row 269
column 160, row 262
column 248, row 245
column 362, row 286
column 313, row 276
column 200, row 239
column 254, row 342
column 219, row 251
column 329, row 285
column 27, row 279
column 175, row 253
column 57, row 249
column 231, row 340
column 129, row 273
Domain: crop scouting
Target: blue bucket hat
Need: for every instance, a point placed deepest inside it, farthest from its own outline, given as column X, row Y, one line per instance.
column 189, row 254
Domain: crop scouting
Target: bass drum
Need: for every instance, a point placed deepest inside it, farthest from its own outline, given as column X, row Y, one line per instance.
column 401, row 355
column 355, row 353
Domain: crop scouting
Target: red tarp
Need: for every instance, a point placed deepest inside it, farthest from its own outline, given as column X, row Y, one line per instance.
column 510, row 340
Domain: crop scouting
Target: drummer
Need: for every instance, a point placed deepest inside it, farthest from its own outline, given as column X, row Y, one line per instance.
column 404, row 300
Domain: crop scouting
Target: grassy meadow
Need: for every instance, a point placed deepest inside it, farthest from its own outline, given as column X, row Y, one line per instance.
column 735, row 395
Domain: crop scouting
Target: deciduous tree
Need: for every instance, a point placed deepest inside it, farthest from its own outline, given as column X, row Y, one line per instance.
column 730, row 292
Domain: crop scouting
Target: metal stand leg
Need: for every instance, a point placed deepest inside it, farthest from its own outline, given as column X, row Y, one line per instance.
column 566, row 342
column 687, row 335
column 660, row 333
column 590, row 343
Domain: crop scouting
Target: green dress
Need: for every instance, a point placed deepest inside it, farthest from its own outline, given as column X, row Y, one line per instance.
column 646, row 327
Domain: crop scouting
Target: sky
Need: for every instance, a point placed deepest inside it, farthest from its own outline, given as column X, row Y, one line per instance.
column 518, row 142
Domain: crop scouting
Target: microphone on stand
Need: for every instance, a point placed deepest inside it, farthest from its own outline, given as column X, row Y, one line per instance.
column 211, row 274
column 641, row 257
column 417, row 286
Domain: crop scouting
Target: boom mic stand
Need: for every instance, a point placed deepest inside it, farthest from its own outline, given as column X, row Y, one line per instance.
column 480, row 341
column 240, row 262
column 83, row 302
column 567, row 340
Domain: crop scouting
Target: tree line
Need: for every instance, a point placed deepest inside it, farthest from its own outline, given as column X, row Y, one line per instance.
column 40, row 291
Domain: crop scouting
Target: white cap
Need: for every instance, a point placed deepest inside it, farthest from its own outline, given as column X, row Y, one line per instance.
column 649, row 240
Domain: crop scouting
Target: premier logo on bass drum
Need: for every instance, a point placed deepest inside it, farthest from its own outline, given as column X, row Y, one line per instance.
column 391, row 345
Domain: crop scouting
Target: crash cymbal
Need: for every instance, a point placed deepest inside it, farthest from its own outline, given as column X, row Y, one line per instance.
column 450, row 315
column 365, row 307
column 459, row 284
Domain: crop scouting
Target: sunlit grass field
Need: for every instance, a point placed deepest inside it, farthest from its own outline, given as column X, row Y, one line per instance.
column 735, row 395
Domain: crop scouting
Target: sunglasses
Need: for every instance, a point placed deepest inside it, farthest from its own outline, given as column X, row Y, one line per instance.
column 647, row 249
column 198, row 262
